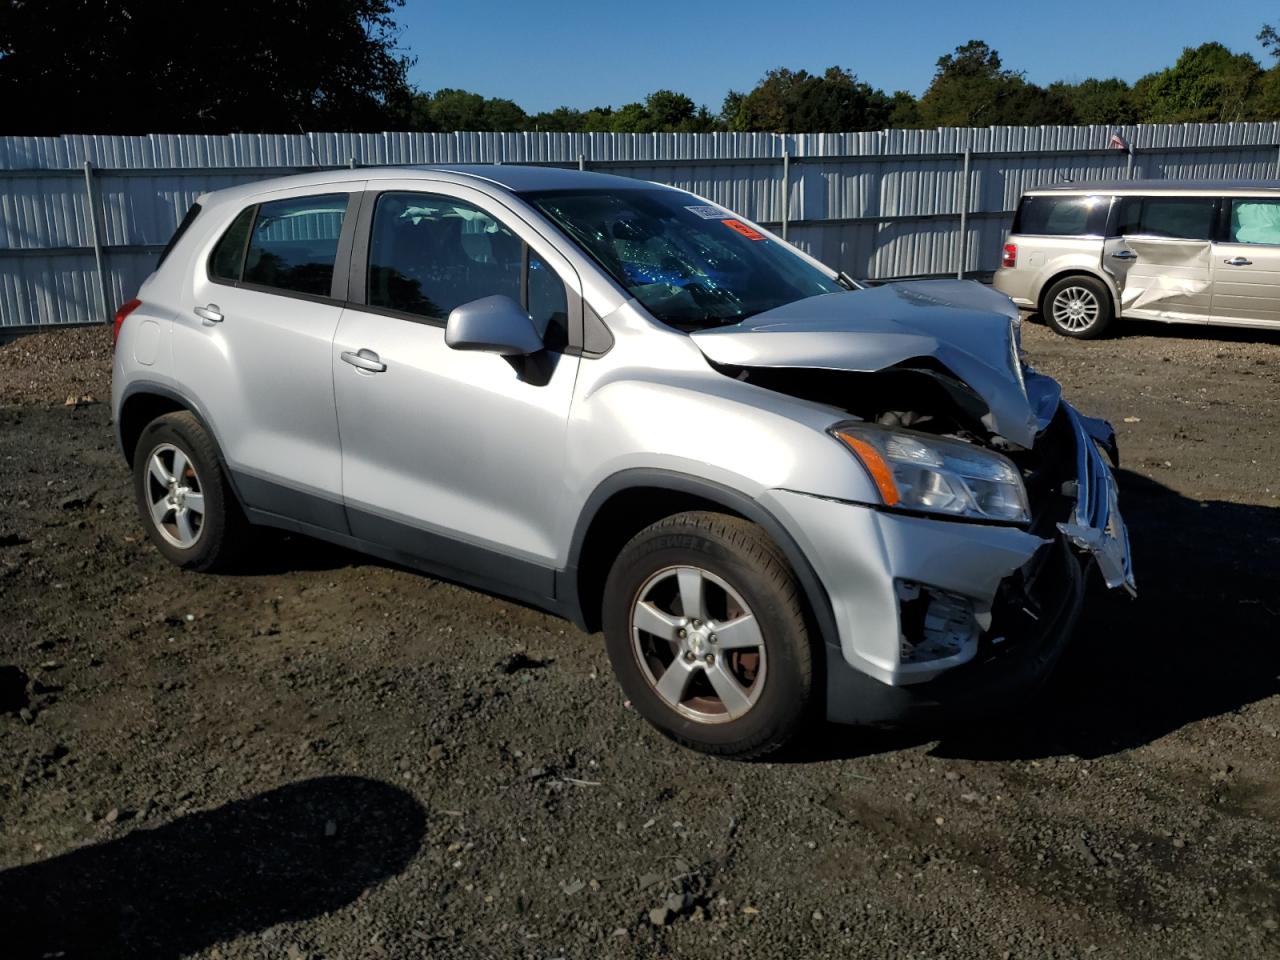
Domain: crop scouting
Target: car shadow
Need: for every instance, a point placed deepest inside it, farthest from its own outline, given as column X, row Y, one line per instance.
column 1160, row 330
column 1201, row 639
column 287, row 854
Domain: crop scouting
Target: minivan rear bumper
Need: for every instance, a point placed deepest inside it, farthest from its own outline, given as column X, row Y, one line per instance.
column 1016, row 285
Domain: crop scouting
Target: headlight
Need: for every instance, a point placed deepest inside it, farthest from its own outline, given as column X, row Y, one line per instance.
column 917, row 471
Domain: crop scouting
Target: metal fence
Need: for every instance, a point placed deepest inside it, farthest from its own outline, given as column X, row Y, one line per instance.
column 82, row 218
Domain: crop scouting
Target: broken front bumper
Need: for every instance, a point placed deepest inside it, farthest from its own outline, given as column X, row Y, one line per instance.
column 935, row 612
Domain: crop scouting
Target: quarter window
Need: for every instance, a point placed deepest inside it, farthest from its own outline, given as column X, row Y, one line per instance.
column 430, row 254
column 294, row 244
column 228, row 256
column 1050, row 216
column 1255, row 221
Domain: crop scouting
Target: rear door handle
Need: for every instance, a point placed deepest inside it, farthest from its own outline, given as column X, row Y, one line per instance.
column 209, row 314
column 365, row 360
column 1124, row 255
column 1238, row 262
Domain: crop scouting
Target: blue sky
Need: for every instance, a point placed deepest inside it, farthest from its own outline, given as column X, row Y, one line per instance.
column 583, row 53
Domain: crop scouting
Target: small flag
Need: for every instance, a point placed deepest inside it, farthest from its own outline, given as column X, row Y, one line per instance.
column 1119, row 143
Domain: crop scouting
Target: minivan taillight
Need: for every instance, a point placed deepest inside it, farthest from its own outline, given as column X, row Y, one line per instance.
column 1010, row 255
column 118, row 322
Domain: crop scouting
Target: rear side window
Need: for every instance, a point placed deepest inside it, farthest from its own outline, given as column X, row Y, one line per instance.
column 191, row 214
column 1062, row 216
column 228, row 256
column 1178, row 218
column 294, row 244
column 1255, row 221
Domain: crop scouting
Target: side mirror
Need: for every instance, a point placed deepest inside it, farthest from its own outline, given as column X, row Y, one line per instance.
column 494, row 324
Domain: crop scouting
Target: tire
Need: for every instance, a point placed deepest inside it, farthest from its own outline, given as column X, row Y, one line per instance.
column 767, row 675
column 1079, row 307
column 213, row 536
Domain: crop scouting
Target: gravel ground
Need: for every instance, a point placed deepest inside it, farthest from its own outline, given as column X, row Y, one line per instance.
column 328, row 757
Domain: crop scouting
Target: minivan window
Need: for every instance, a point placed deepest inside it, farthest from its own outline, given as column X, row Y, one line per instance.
column 1178, row 218
column 429, row 254
column 228, row 256
column 1051, row 216
column 1255, row 221
column 192, row 212
column 295, row 243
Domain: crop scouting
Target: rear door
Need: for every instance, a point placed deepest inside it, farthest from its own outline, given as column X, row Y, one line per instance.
column 1171, row 239
column 1246, row 264
column 254, row 346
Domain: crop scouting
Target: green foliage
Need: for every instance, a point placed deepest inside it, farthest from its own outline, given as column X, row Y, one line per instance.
column 1208, row 84
column 1097, row 101
column 971, row 88
column 795, row 101
column 204, row 66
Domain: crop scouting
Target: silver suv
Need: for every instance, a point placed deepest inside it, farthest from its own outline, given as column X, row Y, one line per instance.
column 1181, row 251
column 777, row 493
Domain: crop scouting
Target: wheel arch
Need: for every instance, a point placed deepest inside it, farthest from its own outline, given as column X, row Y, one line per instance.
column 627, row 502
column 1078, row 271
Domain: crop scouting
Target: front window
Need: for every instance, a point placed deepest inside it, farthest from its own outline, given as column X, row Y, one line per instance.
column 689, row 264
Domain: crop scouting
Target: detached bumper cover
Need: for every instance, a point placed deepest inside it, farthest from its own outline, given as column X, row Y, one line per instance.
column 1025, row 591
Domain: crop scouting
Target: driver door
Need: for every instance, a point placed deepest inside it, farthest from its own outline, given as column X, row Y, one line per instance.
column 453, row 458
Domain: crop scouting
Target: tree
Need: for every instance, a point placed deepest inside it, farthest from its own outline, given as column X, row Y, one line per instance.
column 1098, row 101
column 135, row 66
column 971, row 88
column 1208, row 84
column 796, row 101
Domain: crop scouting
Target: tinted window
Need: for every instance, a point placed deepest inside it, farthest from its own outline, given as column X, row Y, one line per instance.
column 1180, row 218
column 690, row 264
column 428, row 255
column 1062, row 216
column 187, row 220
column 1255, row 221
column 228, row 255
column 295, row 243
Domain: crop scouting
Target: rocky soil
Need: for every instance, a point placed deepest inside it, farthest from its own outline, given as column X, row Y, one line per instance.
column 327, row 757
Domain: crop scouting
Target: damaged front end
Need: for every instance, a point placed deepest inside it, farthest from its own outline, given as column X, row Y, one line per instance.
column 953, row 585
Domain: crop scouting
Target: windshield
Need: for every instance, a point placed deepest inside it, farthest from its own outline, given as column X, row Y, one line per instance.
column 690, row 264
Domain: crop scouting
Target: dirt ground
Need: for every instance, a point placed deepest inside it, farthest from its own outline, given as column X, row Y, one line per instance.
column 327, row 757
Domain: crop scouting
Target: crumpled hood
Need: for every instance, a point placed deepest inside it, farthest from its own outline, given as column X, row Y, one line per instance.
column 967, row 328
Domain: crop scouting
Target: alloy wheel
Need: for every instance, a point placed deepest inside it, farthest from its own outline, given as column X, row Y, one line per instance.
column 175, row 496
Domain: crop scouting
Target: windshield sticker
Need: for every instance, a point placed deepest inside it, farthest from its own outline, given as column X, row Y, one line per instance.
column 707, row 212
column 737, row 226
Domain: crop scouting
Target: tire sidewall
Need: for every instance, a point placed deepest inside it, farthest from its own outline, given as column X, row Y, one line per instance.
column 1106, row 311
column 171, row 430
column 786, row 680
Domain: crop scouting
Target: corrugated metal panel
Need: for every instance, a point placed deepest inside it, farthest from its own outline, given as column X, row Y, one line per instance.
column 845, row 189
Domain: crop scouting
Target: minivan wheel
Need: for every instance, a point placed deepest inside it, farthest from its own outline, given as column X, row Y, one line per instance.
column 184, row 499
column 1078, row 307
column 706, row 630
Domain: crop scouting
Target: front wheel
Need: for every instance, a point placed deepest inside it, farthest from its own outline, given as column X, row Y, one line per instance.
column 1079, row 307
column 706, row 630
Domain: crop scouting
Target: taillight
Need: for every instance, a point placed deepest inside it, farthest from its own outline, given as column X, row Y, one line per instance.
column 118, row 322
column 1010, row 255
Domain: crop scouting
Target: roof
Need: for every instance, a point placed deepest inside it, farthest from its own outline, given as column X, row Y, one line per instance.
column 516, row 178
column 1159, row 186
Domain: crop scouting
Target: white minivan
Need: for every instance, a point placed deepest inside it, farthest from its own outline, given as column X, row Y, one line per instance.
column 1084, row 255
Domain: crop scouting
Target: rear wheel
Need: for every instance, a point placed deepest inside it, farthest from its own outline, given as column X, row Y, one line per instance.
column 706, row 631
column 183, row 496
column 1078, row 307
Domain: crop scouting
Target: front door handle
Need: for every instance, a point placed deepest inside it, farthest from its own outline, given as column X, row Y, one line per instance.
column 1124, row 255
column 365, row 360
column 209, row 314
column 1238, row 262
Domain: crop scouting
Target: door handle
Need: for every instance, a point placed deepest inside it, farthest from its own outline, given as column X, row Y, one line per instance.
column 1238, row 262
column 1124, row 255
column 365, row 360
column 209, row 314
